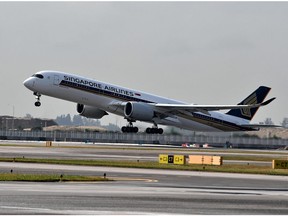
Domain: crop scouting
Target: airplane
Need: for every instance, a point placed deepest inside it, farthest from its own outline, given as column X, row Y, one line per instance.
column 96, row 99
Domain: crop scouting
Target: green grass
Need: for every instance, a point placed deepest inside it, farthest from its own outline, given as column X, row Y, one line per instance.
column 47, row 178
column 42, row 144
column 227, row 168
column 252, row 158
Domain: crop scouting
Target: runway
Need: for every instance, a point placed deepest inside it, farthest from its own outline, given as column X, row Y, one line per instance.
column 143, row 191
column 138, row 191
column 62, row 150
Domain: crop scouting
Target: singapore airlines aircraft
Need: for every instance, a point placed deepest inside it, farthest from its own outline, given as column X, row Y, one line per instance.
column 96, row 99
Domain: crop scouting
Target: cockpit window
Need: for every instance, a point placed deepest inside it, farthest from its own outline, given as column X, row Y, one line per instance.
column 40, row 76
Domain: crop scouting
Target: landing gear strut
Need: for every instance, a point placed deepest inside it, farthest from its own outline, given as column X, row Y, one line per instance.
column 129, row 128
column 37, row 96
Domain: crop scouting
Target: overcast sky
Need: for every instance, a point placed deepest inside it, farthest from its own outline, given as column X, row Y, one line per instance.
column 197, row 52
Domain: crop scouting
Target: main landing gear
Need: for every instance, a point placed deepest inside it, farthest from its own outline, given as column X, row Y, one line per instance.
column 37, row 96
column 154, row 130
column 129, row 128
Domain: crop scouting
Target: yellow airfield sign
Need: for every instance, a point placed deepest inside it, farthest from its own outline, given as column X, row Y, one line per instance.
column 280, row 164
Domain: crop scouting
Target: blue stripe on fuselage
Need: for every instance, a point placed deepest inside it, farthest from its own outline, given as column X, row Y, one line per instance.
column 204, row 119
column 101, row 91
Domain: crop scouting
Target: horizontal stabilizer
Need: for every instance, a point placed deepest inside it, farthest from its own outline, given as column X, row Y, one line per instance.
column 268, row 101
column 260, row 126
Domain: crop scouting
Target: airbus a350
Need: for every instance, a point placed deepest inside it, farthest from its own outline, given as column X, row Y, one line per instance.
column 96, row 99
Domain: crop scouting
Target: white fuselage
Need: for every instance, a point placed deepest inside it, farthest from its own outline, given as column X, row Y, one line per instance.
column 103, row 95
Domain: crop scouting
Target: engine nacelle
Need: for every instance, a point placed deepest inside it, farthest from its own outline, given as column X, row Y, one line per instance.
column 138, row 111
column 90, row 111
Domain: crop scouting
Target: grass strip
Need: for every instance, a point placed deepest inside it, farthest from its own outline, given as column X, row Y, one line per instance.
column 227, row 168
column 48, row 178
column 163, row 149
column 252, row 158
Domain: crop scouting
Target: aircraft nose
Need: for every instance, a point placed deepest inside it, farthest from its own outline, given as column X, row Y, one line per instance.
column 29, row 83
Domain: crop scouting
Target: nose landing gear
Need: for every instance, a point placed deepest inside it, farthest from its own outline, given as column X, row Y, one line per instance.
column 37, row 96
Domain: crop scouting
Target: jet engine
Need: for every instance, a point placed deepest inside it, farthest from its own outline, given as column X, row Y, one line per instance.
column 138, row 111
column 90, row 111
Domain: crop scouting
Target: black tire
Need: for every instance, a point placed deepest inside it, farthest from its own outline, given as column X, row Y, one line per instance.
column 148, row 130
column 135, row 129
column 37, row 104
column 124, row 129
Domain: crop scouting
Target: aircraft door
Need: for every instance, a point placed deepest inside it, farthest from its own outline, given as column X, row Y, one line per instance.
column 56, row 80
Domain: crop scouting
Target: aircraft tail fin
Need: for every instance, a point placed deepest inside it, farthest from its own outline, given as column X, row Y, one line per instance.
column 256, row 97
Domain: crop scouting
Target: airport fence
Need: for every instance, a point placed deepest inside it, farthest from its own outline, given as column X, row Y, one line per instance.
column 142, row 138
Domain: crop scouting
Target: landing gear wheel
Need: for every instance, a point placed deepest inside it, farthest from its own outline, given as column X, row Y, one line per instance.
column 37, row 103
column 148, row 130
column 135, row 129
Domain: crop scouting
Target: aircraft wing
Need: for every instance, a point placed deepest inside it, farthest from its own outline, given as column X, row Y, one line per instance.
column 206, row 108
column 166, row 110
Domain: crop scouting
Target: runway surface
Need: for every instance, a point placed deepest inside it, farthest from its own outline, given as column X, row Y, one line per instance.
column 136, row 191
column 62, row 150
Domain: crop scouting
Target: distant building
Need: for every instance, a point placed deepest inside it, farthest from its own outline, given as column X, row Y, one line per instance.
column 13, row 123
